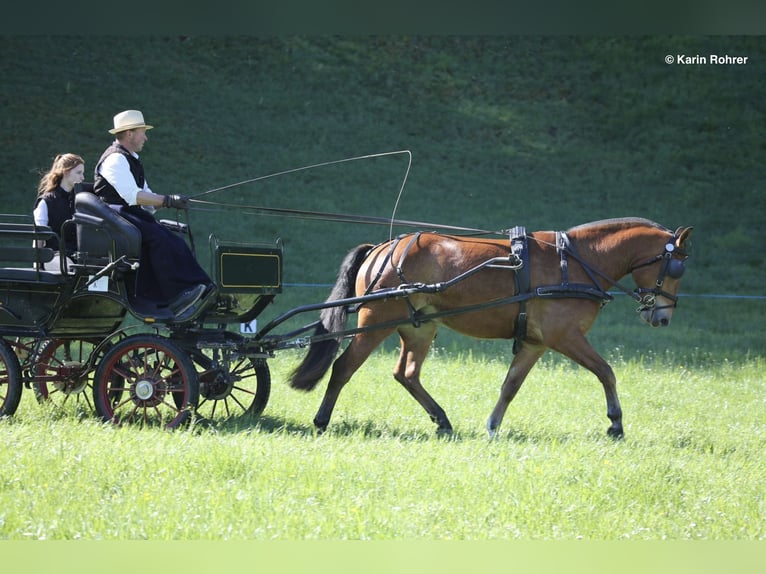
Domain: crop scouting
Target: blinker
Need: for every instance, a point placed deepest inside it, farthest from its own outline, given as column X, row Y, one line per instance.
column 675, row 268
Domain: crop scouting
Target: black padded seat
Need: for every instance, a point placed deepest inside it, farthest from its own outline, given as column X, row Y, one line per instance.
column 102, row 233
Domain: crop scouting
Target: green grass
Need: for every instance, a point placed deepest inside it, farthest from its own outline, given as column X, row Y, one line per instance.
column 691, row 465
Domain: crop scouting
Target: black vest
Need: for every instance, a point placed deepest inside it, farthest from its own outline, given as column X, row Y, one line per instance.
column 60, row 208
column 104, row 189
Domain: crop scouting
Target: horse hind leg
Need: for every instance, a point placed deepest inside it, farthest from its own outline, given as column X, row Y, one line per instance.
column 520, row 366
column 416, row 342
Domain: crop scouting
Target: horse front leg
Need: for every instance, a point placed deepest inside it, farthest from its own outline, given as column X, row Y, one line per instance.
column 520, row 366
column 577, row 348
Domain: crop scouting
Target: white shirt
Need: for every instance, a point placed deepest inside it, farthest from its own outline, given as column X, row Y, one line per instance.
column 116, row 170
column 41, row 213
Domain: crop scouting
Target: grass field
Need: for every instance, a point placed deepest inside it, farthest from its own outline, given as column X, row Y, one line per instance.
column 691, row 466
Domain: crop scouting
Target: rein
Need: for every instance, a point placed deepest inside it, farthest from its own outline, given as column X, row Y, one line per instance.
column 338, row 217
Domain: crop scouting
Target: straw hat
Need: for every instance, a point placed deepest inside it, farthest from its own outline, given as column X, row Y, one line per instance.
column 129, row 120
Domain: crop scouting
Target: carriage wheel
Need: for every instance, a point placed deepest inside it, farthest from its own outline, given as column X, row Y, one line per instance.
column 231, row 385
column 146, row 379
column 24, row 348
column 63, row 375
column 10, row 380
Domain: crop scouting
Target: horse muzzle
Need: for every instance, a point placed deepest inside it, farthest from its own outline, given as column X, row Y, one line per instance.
column 654, row 319
column 657, row 316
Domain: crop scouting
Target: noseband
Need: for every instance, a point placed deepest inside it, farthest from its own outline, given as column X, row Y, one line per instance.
column 671, row 267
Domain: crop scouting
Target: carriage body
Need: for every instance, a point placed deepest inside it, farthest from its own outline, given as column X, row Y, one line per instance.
column 52, row 303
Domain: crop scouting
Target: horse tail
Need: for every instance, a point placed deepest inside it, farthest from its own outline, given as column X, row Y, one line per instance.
column 332, row 319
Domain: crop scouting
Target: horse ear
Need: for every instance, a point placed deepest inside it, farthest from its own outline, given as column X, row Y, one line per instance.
column 683, row 234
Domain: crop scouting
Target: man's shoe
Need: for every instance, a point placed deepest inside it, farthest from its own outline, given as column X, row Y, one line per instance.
column 187, row 299
column 210, row 296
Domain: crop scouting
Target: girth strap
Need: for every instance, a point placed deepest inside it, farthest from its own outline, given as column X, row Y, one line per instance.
column 520, row 252
column 563, row 290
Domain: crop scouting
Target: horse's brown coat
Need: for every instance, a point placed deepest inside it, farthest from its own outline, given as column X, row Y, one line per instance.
column 613, row 247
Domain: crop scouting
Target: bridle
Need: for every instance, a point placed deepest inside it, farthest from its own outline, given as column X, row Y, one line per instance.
column 672, row 267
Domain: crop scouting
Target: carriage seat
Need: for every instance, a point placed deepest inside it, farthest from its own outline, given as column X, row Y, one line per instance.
column 102, row 234
column 15, row 248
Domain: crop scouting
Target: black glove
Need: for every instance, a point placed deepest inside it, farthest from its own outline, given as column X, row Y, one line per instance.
column 177, row 201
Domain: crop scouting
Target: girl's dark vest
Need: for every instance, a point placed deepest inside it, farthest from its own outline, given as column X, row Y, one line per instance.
column 104, row 189
column 60, row 208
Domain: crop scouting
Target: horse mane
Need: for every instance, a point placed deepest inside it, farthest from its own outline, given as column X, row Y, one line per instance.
column 618, row 223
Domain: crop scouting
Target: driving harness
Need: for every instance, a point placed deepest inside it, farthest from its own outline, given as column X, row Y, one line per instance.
column 564, row 290
column 518, row 261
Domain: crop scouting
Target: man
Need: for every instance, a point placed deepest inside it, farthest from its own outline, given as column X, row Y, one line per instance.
column 168, row 272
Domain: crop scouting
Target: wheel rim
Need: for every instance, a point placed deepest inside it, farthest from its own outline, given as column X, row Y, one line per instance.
column 10, row 380
column 146, row 380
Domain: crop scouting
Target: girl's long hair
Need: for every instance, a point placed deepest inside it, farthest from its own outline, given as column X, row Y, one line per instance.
column 62, row 163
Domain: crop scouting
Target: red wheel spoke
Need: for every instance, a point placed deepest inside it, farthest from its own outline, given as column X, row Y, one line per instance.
column 156, row 378
column 62, row 373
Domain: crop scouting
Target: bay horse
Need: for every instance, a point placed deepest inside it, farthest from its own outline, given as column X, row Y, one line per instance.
column 567, row 274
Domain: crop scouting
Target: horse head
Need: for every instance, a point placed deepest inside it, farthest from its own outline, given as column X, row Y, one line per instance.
column 659, row 278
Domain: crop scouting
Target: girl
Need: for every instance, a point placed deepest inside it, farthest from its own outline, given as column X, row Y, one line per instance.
column 55, row 200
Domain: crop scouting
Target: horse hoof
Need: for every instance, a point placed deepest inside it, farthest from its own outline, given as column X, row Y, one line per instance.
column 444, row 431
column 616, row 434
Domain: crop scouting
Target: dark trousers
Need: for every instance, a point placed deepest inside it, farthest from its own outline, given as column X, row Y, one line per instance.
column 167, row 265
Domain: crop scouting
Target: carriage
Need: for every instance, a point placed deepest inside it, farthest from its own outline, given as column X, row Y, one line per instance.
column 74, row 331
